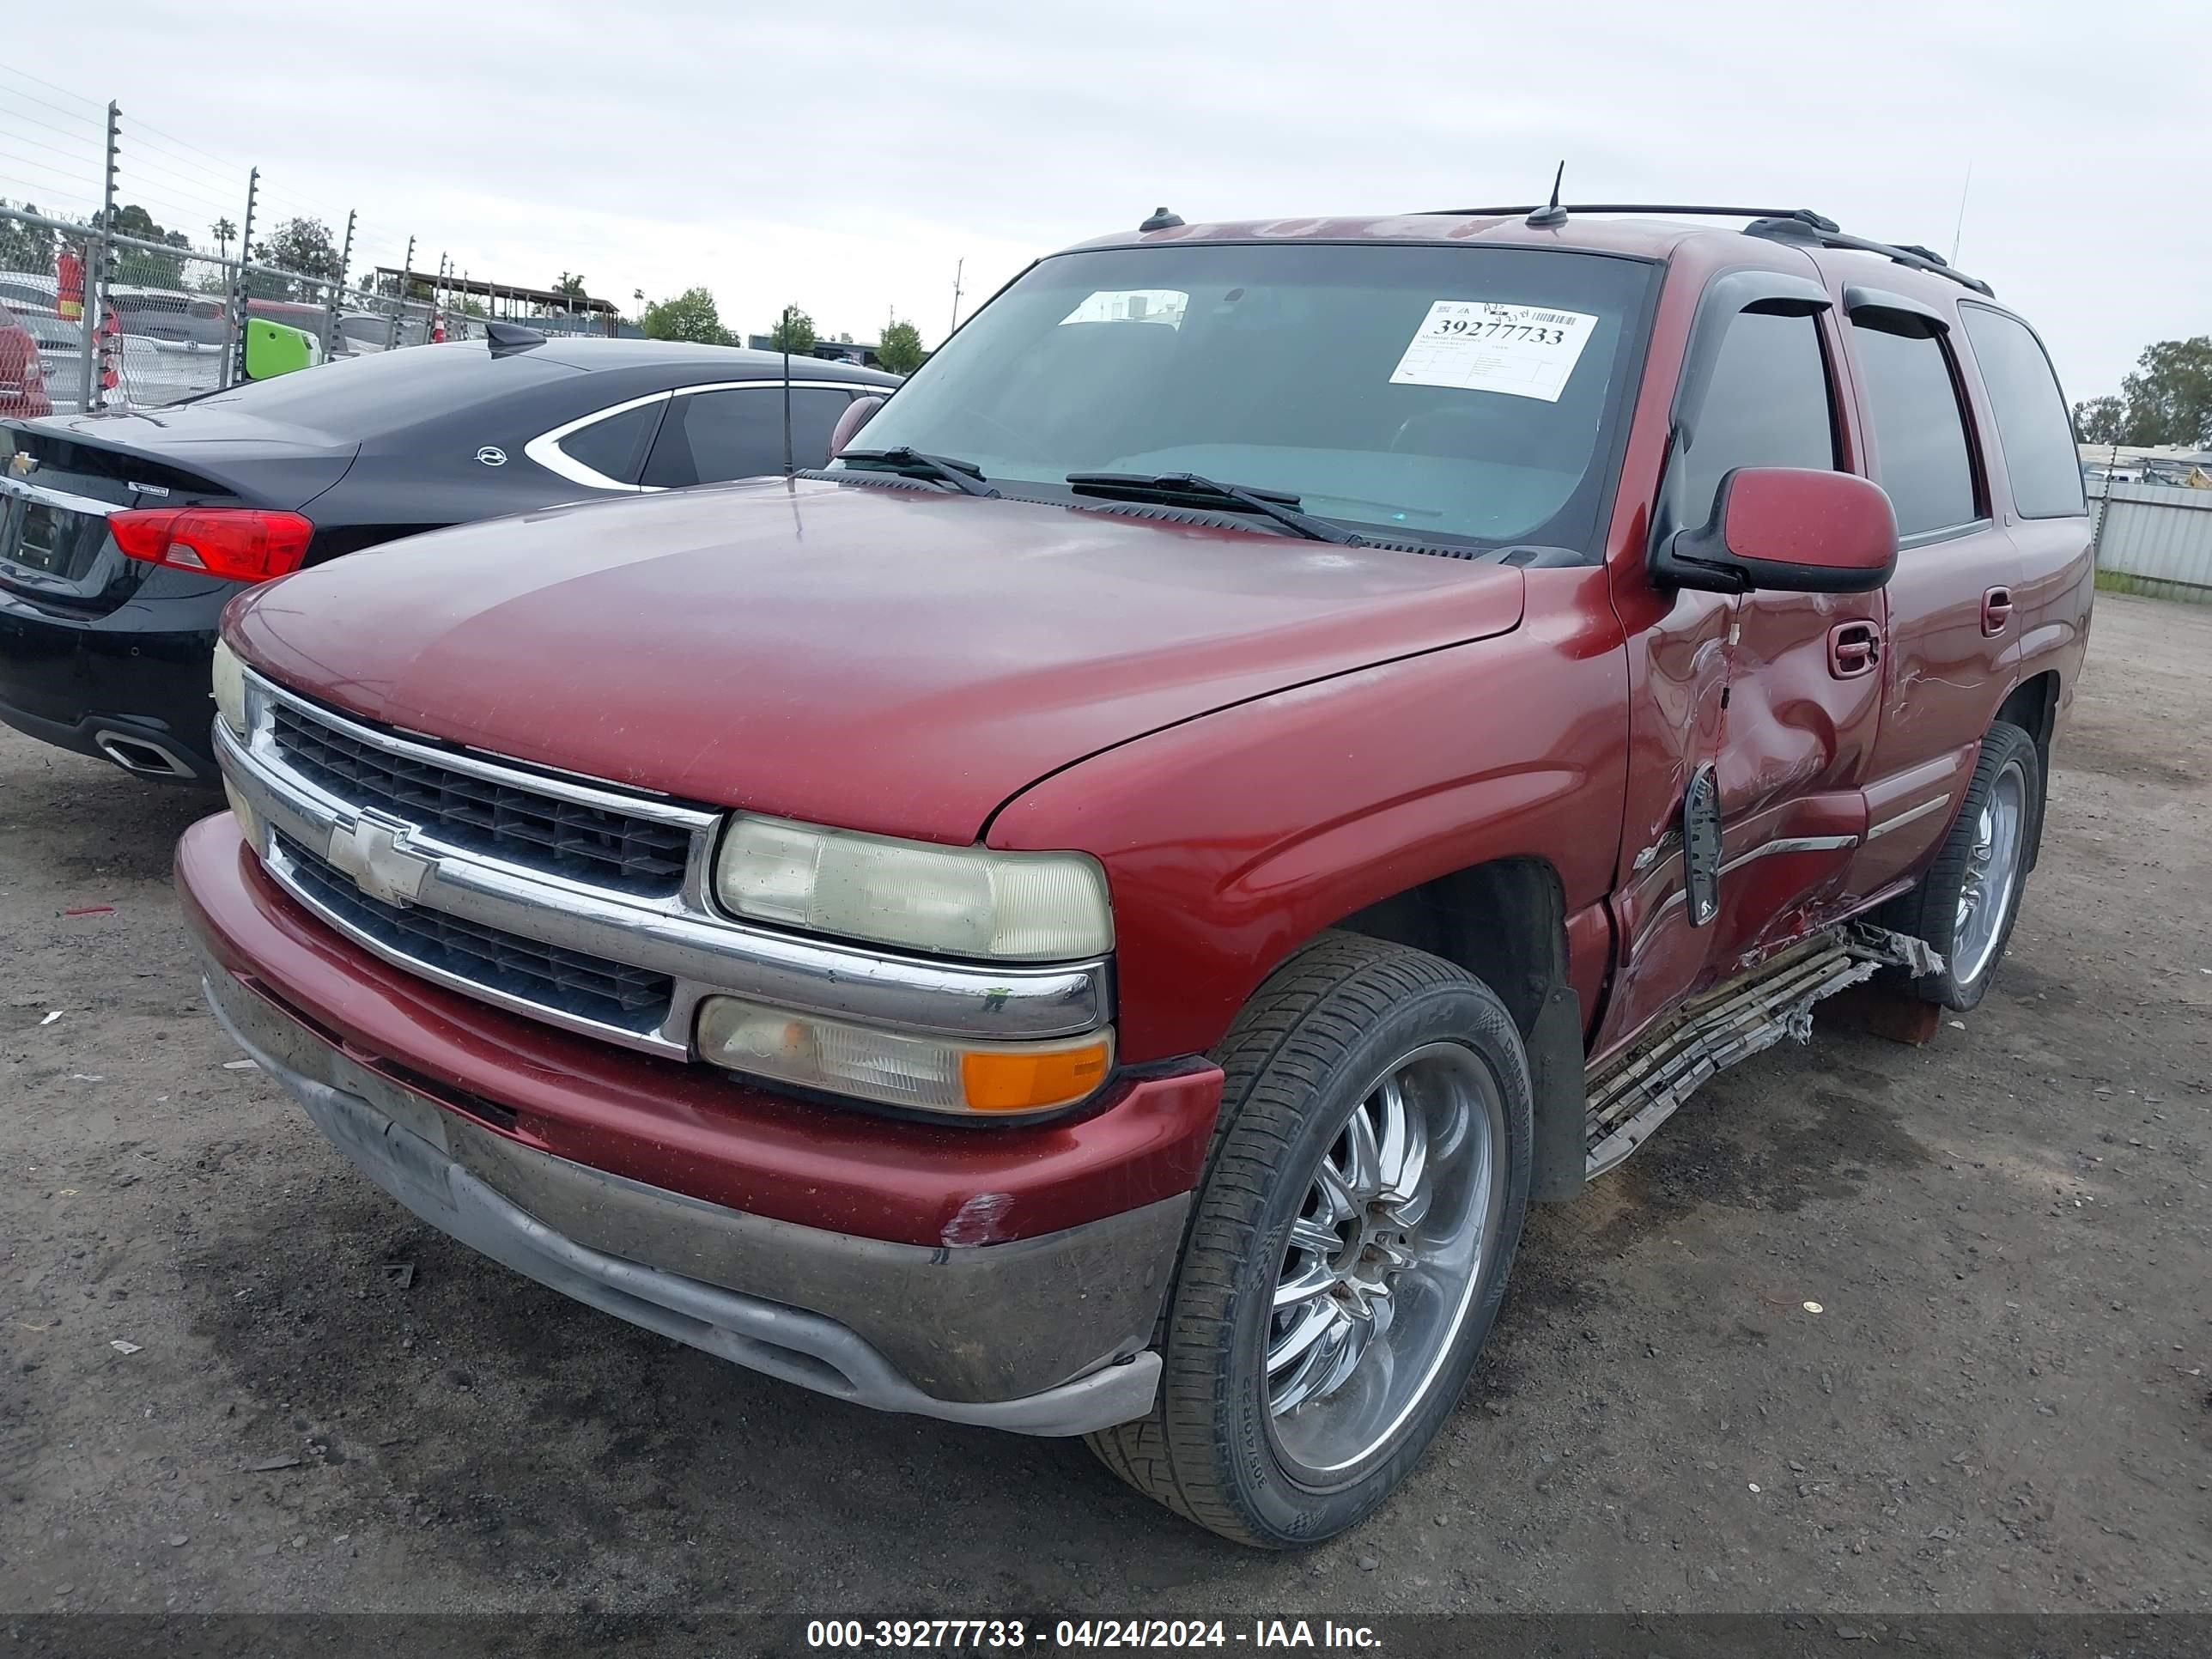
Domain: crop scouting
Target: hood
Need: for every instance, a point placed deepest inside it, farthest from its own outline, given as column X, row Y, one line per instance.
column 896, row 660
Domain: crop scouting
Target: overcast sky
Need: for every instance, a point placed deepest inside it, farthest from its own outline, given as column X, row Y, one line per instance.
column 845, row 156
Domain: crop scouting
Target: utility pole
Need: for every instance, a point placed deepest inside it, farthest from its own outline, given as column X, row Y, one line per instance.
column 959, row 265
column 234, row 361
column 97, row 275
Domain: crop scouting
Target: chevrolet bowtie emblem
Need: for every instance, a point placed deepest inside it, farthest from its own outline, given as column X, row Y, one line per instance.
column 370, row 852
column 21, row 463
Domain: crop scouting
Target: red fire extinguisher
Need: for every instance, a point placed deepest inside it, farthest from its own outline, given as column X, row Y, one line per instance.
column 68, row 272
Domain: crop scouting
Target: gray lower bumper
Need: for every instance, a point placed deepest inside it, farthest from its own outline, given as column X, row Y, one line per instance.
column 963, row 1319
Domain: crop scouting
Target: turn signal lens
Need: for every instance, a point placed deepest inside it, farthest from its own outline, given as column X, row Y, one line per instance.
column 239, row 543
column 930, row 1074
column 1021, row 1080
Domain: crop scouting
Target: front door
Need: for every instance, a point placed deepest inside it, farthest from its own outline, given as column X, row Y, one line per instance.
column 1803, row 702
column 1766, row 704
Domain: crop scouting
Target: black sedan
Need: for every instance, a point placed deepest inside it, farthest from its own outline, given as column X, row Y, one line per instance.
column 123, row 534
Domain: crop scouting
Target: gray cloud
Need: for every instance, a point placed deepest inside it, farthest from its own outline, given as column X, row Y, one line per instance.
column 846, row 157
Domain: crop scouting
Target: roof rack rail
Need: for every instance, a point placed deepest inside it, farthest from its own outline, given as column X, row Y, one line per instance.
column 1804, row 215
column 1777, row 224
column 1782, row 229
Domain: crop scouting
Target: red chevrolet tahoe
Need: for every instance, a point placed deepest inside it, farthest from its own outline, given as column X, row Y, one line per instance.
column 1095, row 914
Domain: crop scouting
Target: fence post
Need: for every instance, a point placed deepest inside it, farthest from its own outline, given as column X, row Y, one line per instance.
column 400, row 306
column 97, row 276
column 345, row 259
column 234, row 359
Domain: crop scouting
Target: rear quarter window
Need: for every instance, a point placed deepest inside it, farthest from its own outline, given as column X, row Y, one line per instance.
column 2034, row 428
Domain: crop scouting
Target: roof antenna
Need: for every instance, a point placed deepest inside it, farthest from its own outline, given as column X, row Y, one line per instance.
column 1552, row 217
column 1161, row 220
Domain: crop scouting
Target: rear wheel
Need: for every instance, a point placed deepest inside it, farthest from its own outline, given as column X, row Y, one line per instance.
column 1967, row 904
column 1348, row 1249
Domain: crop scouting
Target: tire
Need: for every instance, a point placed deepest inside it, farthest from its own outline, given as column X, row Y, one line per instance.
column 1346, row 1026
column 1987, row 854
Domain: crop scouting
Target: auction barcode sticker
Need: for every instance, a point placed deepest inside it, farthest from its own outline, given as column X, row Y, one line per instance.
column 1528, row 351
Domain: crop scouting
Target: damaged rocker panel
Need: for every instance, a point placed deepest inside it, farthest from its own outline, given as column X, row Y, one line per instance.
column 1632, row 1096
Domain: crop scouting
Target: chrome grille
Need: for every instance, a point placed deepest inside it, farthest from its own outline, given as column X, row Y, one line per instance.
column 572, row 982
column 608, row 848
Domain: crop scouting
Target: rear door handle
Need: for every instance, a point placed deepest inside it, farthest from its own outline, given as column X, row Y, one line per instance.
column 1997, row 609
column 1854, row 649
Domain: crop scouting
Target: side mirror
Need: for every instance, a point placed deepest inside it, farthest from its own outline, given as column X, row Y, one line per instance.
column 1793, row 530
column 274, row 349
column 858, row 414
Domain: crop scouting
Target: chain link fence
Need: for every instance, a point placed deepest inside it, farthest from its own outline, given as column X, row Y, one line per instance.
column 133, row 266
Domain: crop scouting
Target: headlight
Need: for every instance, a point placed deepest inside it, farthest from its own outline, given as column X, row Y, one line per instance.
column 950, row 901
column 932, row 1074
column 229, row 689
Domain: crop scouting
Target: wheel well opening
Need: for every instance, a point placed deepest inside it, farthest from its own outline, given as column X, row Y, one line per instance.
column 1506, row 923
column 2033, row 706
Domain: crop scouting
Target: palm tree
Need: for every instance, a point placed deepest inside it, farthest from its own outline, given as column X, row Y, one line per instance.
column 223, row 230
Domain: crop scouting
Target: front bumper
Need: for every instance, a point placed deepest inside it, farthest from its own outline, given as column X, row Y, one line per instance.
column 898, row 1328
column 1007, row 1274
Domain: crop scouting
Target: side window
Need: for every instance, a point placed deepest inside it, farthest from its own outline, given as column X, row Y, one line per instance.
column 1919, row 432
column 2034, row 428
column 1767, row 404
column 613, row 447
column 714, row 436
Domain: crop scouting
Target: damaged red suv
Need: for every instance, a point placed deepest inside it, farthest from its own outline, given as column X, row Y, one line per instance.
column 1095, row 914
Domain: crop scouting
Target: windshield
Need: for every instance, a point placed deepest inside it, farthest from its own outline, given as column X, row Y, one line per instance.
column 1433, row 392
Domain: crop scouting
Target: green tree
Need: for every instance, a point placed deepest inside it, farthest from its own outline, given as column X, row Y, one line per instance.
column 2166, row 400
column 2101, row 421
column 301, row 246
column 901, row 351
column 690, row 316
column 573, row 287
column 2169, row 396
column 793, row 332
column 223, row 231
column 25, row 247
column 135, row 265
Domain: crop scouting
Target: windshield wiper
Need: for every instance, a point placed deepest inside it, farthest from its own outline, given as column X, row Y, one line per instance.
column 965, row 477
column 1176, row 488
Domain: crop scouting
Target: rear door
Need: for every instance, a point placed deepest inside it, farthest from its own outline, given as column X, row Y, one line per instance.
column 1948, row 632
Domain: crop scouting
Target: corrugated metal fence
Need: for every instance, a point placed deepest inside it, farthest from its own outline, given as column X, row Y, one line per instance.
column 2153, row 539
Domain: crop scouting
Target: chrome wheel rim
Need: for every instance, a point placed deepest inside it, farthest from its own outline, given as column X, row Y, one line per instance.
column 1399, row 1223
column 1992, row 872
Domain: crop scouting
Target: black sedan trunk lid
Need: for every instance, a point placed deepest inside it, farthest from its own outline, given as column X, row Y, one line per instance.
column 60, row 478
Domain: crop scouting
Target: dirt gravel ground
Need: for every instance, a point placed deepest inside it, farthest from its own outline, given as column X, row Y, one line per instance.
column 234, row 1377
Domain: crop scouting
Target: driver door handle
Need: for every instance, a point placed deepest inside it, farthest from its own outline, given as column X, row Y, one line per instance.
column 1854, row 649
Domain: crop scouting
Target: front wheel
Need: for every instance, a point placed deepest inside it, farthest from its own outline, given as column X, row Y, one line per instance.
column 1349, row 1247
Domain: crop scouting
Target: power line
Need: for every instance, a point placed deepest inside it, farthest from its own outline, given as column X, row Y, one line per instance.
column 95, row 141
column 38, row 143
column 23, row 74
column 42, row 103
